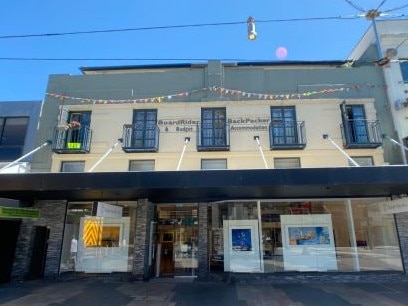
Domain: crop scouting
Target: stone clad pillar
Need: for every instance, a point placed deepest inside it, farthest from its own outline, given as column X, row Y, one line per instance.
column 23, row 250
column 52, row 215
column 202, row 240
column 144, row 215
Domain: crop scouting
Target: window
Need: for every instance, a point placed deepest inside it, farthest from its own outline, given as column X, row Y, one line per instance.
column 213, row 164
column 78, row 134
column 98, row 232
column 73, row 134
column 404, row 71
column 357, row 131
column 213, row 127
column 73, row 166
column 84, row 118
column 283, row 125
column 286, row 162
column 144, row 128
column 358, row 128
column 405, row 143
column 12, row 137
column 292, row 228
column 141, row 165
column 362, row 161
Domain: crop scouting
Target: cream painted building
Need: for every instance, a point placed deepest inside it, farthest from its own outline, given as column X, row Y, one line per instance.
column 186, row 169
column 244, row 120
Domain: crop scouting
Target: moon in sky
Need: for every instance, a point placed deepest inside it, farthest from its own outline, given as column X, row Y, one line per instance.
column 281, row 52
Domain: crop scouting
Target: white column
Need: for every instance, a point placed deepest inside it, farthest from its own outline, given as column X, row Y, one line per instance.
column 260, row 235
column 352, row 234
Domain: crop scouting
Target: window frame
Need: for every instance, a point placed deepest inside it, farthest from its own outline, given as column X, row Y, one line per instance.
column 297, row 159
column 134, row 161
column 144, row 126
column 17, row 134
column 360, row 160
column 72, row 162
column 213, row 133
column 404, row 71
column 203, row 160
column 356, row 116
column 286, row 133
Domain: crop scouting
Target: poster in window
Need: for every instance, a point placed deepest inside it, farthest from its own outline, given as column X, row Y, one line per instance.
column 308, row 243
column 241, row 239
column 309, row 235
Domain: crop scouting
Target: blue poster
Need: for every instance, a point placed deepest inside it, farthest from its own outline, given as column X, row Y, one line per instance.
column 241, row 239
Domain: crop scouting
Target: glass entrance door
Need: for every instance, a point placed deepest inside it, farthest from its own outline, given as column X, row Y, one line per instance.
column 177, row 231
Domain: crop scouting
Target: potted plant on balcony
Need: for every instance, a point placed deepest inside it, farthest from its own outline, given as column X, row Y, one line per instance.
column 73, row 125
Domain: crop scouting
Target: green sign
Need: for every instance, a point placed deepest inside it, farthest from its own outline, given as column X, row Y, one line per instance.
column 15, row 212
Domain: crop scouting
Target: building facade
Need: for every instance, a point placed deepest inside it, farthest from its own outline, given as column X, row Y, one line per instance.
column 182, row 170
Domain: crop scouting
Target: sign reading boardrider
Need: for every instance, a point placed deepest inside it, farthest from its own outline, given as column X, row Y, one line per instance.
column 236, row 124
column 16, row 212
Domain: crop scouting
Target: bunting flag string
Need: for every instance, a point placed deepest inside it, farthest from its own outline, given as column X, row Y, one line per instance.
column 118, row 101
column 218, row 90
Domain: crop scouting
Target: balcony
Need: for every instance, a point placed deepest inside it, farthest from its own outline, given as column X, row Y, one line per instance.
column 71, row 141
column 361, row 134
column 287, row 135
column 136, row 140
column 213, row 138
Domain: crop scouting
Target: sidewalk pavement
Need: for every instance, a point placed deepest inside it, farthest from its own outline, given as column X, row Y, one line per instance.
column 185, row 292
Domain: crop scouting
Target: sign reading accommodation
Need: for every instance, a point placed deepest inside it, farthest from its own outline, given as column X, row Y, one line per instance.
column 238, row 124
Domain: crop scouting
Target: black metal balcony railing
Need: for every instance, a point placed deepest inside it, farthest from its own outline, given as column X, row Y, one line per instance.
column 72, row 140
column 360, row 134
column 287, row 135
column 140, row 140
column 213, row 138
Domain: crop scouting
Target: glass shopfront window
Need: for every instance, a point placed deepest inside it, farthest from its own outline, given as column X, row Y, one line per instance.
column 98, row 237
column 234, row 237
column 176, row 244
column 376, row 237
column 317, row 235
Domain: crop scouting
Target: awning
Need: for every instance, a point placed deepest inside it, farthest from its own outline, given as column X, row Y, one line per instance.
column 209, row 185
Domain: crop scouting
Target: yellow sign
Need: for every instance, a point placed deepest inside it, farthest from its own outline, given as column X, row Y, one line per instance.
column 92, row 233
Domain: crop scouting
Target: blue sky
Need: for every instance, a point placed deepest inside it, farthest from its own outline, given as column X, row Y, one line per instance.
column 304, row 40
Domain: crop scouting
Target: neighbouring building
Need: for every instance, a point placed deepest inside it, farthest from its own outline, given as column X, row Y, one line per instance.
column 386, row 44
column 181, row 170
column 18, row 128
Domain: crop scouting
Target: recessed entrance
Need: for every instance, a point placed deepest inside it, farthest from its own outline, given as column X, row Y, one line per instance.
column 176, row 240
column 10, row 230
